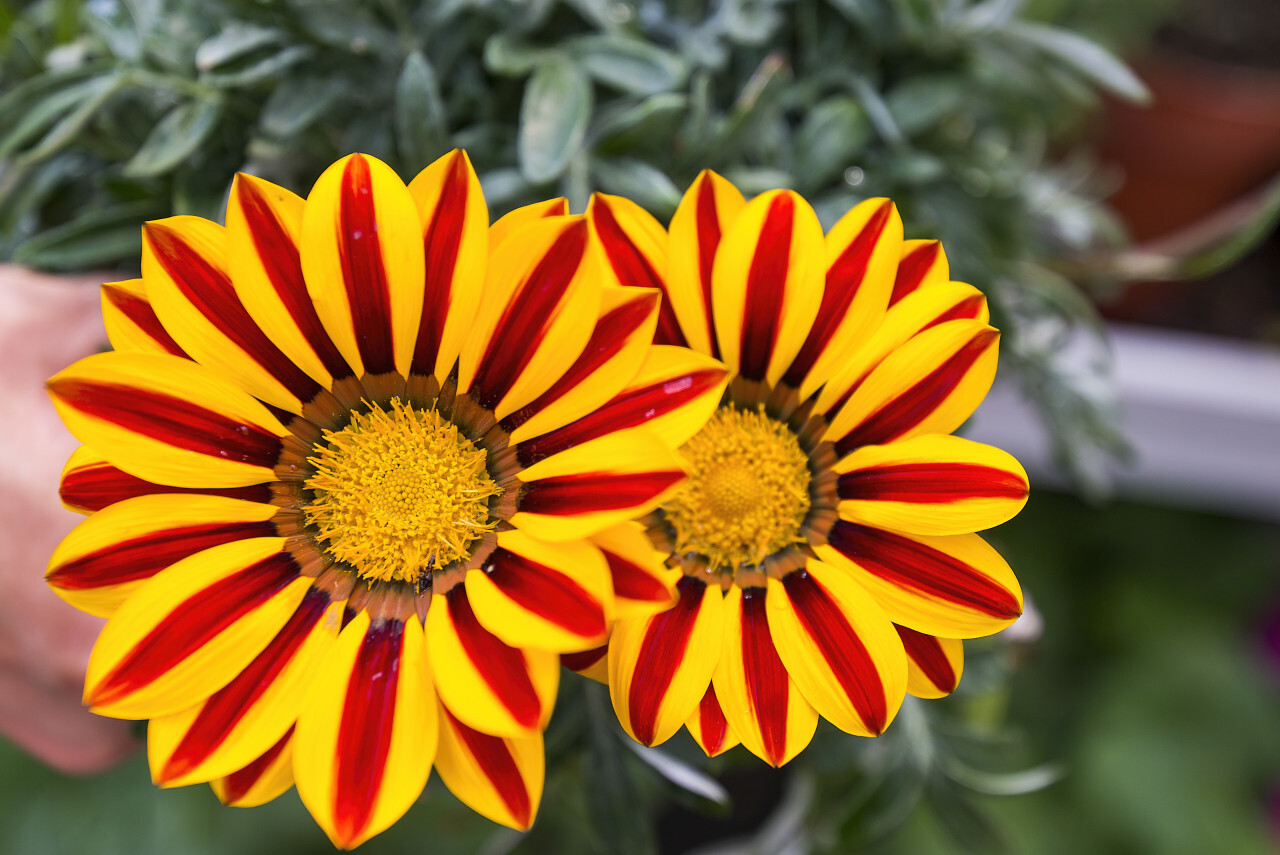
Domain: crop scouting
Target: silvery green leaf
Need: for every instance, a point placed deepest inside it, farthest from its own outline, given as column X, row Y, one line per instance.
column 296, row 103
column 920, row 103
column 506, row 55
column 266, row 68
column 234, row 42
column 646, row 185
column 502, row 185
column 553, row 118
column 681, row 774
column 39, row 107
column 1086, row 57
column 175, row 137
column 96, row 237
column 828, row 139
column 628, row 125
column 421, row 125
column 629, row 64
column 70, row 125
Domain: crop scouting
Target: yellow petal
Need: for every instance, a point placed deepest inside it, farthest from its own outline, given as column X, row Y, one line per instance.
column 499, row 778
column 131, row 322
column 706, row 212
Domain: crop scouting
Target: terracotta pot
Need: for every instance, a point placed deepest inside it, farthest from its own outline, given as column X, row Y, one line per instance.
column 1211, row 134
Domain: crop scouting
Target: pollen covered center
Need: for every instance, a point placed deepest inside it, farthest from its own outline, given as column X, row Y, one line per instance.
column 748, row 490
column 399, row 491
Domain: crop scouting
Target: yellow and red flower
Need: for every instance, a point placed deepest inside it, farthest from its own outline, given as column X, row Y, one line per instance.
column 825, row 538
column 358, row 470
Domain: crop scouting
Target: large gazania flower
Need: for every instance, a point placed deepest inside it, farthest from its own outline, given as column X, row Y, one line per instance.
column 825, row 536
column 342, row 466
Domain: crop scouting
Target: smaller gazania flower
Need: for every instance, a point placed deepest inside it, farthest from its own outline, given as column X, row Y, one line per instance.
column 358, row 471
column 825, row 537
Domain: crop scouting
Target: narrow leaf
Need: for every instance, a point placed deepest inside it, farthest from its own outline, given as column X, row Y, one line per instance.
column 420, row 121
column 553, row 119
column 629, row 64
column 175, row 137
column 1086, row 57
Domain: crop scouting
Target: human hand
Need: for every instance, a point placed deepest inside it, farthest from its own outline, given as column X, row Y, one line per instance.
column 46, row 322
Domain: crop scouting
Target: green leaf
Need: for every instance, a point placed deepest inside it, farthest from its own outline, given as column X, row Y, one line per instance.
column 681, row 774
column 235, row 41
column 264, row 69
column 920, row 103
column 631, row 65
column 420, row 122
column 643, row 183
column 611, row 792
column 508, row 56
column 553, row 119
column 633, row 125
column 99, row 236
column 1086, row 57
column 296, row 104
column 967, row 826
column 175, row 137
column 831, row 135
column 70, row 125
column 42, row 105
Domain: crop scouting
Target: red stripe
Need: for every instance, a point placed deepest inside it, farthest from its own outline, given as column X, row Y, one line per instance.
column 970, row 308
column 926, row 651
column 766, row 289
column 610, row 336
column 935, row 482
column 591, row 492
column 912, row 269
column 194, row 623
column 845, row 654
column 363, row 273
column 140, row 313
column 633, row 269
column 922, row 569
column 441, row 242
column 709, row 233
column 143, row 557
column 582, row 661
column 628, row 409
column 661, row 653
column 238, row 784
column 546, row 592
column 170, row 420
column 92, row 488
column 844, row 280
column 364, row 734
column 280, row 261
column 712, row 723
column 228, row 706
column 503, row 669
column 766, row 677
column 209, row 290
column 632, row 582
column 914, row 405
column 498, row 766
column 524, row 322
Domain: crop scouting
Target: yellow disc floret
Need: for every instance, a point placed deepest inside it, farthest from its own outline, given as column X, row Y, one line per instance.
column 747, row 493
column 398, row 492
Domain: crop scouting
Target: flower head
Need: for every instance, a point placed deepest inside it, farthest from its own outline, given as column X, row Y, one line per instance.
column 825, row 536
column 359, row 469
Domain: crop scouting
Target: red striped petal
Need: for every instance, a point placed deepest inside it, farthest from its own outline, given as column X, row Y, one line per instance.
column 209, row 290
column 713, row 728
column 495, row 761
column 911, row 407
column 139, row 312
column 546, row 592
column 225, row 708
column 927, row 654
column 169, row 419
column 584, row 660
column 504, row 668
column 663, row 651
column 360, row 258
column 525, row 322
column 920, row 258
column 931, row 483
column 766, row 677
column 766, row 289
column 845, row 277
column 193, row 624
column 590, row 492
column 235, row 787
column 918, row 567
column 278, row 252
column 631, row 408
column 631, row 266
column 95, row 485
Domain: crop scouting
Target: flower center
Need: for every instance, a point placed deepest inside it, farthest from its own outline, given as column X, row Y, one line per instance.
column 747, row 493
column 398, row 492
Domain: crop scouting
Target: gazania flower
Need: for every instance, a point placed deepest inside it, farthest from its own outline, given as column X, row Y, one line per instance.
column 342, row 466
column 825, row 537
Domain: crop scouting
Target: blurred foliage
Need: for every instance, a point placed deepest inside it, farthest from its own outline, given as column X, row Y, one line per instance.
column 116, row 111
